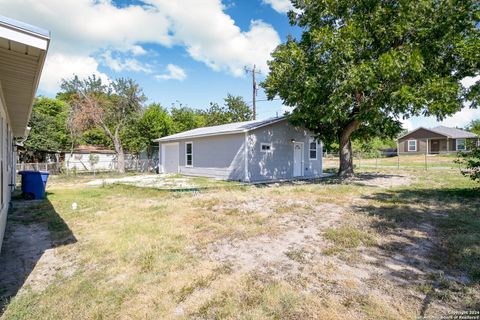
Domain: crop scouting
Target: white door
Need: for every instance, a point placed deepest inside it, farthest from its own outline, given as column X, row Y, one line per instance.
column 298, row 159
column 170, row 157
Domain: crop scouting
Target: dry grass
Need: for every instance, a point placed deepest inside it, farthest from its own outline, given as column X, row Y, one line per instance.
column 147, row 254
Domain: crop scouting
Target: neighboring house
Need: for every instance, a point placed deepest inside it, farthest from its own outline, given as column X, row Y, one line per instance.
column 89, row 158
column 435, row 141
column 22, row 54
column 245, row 151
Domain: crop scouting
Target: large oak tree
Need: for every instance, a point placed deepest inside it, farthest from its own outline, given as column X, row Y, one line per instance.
column 362, row 65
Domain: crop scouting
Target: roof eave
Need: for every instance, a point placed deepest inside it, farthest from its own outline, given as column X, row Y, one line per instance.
column 167, row 139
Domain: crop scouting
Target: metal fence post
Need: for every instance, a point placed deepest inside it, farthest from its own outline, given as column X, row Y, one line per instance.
column 426, row 166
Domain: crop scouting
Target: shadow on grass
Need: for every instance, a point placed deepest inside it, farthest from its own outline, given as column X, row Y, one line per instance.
column 33, row 227
column 450, row 217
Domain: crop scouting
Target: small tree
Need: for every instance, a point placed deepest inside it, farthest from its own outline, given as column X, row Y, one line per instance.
column 474, row 126
column 108, row 107
column 471, row 160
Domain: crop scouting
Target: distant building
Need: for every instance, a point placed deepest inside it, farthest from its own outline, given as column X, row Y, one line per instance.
column 89, row 158
column 437, row 140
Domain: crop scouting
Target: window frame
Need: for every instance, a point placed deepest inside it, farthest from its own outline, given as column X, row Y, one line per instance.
column 408, row 145
column 186, row 154
column 270, row 147
column 310, row 149
column 464, row 144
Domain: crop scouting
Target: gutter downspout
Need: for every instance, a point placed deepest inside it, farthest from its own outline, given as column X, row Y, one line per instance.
column 245, row 155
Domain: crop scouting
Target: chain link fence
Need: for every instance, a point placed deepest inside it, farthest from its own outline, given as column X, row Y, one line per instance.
column 394, row 161
column 131, row 165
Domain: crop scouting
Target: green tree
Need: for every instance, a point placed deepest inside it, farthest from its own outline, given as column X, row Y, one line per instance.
column 48, row 128
column 474, row 126
column 362, row 65
column 154, row 122
column 185, row 118
column 471, row 160
column 109, row 107
column 235, row 109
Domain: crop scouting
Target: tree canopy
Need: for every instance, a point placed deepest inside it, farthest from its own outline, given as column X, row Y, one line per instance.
column 106, row 106
column 360, row 66
column 49, row 131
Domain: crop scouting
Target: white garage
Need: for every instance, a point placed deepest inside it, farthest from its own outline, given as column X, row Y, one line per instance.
column 170, row 157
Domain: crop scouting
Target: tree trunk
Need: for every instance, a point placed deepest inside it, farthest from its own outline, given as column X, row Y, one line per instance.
column 346, row 154
column 119, row 151
column 346, row 159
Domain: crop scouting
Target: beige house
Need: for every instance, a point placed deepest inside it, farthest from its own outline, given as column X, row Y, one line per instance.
column 437, row 140
column 22, row 54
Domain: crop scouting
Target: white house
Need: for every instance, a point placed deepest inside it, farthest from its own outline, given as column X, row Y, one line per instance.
column 22, row 54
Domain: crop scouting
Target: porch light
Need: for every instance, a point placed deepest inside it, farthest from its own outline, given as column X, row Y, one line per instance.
column 292, row 140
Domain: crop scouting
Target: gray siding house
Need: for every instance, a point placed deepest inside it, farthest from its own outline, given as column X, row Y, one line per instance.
column 250, row 151
column 437, row 140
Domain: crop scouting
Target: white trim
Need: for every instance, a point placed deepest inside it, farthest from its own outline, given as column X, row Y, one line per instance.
column 408, row 145
column 464, row 144
column 23, row 37
column 310, row 140
column 270, row 147
column 302, row 161
column 245, row 153
column 187, row 165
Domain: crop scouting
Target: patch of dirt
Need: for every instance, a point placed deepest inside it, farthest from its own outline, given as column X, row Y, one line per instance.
column 29, row 258
column 161, row 181
column 381, row 180
column 298, row 238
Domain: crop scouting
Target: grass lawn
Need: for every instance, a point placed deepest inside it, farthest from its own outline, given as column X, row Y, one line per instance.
column 380, row 246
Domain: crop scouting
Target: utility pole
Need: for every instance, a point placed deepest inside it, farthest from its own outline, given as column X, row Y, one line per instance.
column 254, row 84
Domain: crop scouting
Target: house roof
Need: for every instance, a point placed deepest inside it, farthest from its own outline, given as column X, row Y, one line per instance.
column 452, row 133
column 22, row 55
column 230, row 128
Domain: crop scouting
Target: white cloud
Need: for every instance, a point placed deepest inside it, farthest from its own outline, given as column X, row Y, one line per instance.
column 173, row 72
column 211, row 36
column 59, row 66
column 281, row 6
column 118, row 64
column 84, row 29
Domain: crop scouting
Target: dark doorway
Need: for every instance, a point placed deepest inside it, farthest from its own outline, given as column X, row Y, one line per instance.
column 435, row 146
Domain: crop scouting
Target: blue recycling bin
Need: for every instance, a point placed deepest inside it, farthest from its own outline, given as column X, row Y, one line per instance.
column 34, row 184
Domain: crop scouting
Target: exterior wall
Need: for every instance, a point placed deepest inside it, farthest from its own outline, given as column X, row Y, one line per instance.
column 445, row 145
column 223, row 156
column 278, row 164
column 7, row 172
column 215, row 156
column 81, row 161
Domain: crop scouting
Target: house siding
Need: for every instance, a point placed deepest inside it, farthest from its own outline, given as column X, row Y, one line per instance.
column 278, row 164
column 6, row 166
column 223, row 156
column 215, row 156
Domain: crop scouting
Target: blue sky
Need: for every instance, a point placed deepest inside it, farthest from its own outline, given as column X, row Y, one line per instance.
column 189, row 52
